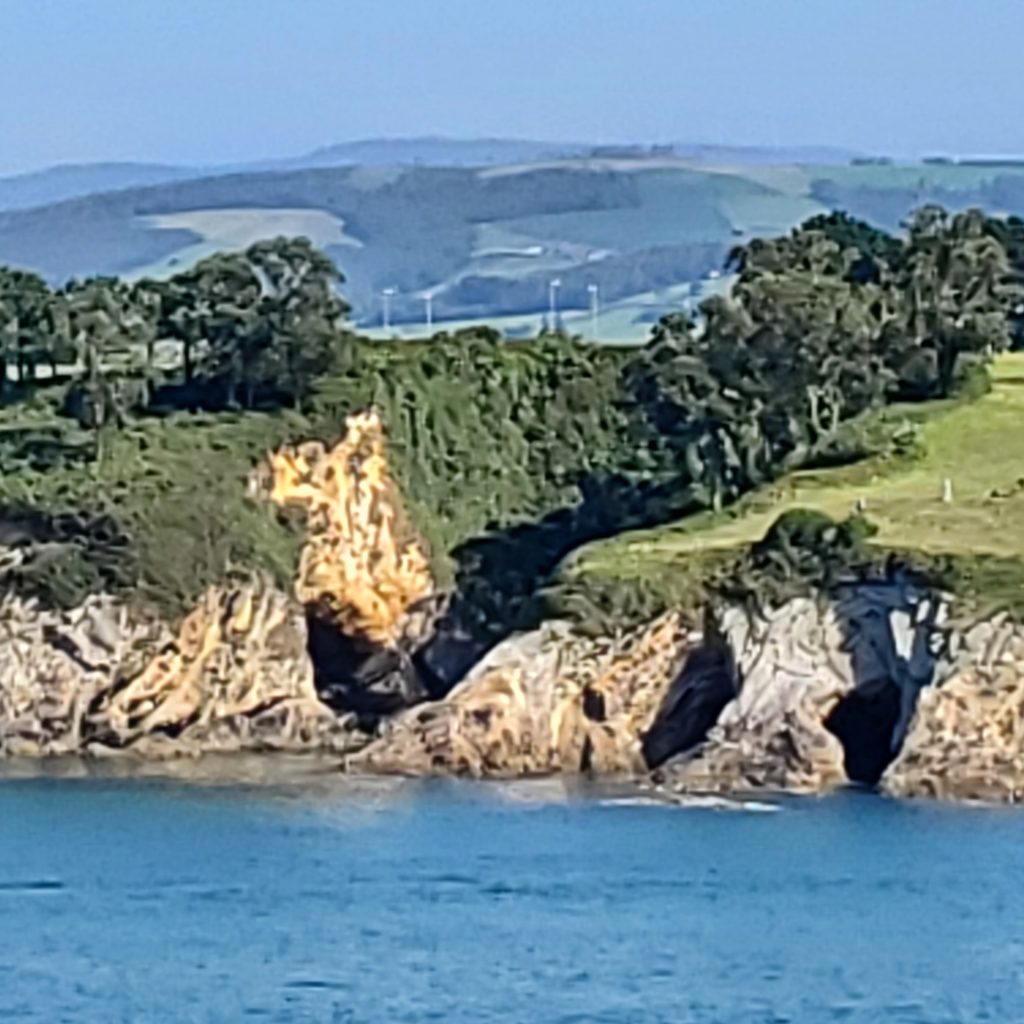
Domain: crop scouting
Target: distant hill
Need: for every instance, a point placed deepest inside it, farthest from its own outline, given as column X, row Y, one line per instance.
column 67, row 181
column 486, row 240
column 765, row 155
column 437, row 151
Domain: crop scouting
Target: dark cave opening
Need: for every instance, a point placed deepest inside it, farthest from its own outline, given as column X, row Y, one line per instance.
column 864, row 721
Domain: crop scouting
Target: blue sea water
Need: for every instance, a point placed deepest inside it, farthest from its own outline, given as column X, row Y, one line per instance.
column 334, row 901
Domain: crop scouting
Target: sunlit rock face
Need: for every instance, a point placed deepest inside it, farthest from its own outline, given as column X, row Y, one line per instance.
column 546, row 701
column 98, row 679
column 363, row 565
column 966, row 741
column 236, row 677
column 238, row 674
column 364, row 575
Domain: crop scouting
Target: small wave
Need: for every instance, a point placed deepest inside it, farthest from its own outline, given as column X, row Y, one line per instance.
column 33, row 885
column 715, row 803
column 318, row 984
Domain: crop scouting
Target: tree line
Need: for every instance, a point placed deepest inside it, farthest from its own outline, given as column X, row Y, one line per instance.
column 240, row 326
column 821, row 324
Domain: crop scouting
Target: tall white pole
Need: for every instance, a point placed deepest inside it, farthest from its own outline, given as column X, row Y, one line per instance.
column 594, row 301
column 387, row 293
column 553, row 300
column 429, row 299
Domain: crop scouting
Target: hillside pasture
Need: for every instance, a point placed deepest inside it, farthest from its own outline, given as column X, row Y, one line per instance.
column 231, row 230
column 973, row 445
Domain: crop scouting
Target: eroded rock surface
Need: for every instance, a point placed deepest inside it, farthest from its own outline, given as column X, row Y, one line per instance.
column 547, row 701
column 827, row 689
column 236, row 677
column 967, row 737
column 364, row 576
column 55, row 665
column 363, row 565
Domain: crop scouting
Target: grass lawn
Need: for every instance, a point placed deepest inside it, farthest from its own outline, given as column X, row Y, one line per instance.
column 978, row 446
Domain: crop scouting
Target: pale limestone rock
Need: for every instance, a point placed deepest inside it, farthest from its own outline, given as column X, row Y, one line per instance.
column 799, row 664
column 966, row 740
column 543, row 702
column 236, row 677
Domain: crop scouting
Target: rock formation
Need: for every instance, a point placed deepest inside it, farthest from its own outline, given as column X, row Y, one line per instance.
column 97, row 679
column 237, row 677
column 967, row 737
column 363, row 565
column 364, row 575
column 868, row 684
column 547, row 701
column 56, row 664
column 238, row 674
column 826, row 690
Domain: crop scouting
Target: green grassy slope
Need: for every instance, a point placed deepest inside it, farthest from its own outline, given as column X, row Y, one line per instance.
column 977, row 446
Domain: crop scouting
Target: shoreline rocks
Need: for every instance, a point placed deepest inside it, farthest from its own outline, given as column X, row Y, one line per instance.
column 543, row 702
column 827, row 687
column 967, row 737
column 94, row 681
column 868, row 683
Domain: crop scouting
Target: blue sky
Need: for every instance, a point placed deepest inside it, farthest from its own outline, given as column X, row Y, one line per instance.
column 200, row 81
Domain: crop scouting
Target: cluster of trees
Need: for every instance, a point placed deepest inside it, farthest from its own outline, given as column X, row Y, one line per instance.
column 241, row 326
column 821, row 325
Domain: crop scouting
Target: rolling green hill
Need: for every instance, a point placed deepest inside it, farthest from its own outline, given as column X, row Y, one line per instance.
column 486, row 242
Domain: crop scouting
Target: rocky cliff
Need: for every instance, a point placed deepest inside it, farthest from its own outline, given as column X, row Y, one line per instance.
column 363, row 567
column 364, row 575
column 868, row 681
column 966, row 740
column 548, row 701
column 99, row 679
column 870, row 684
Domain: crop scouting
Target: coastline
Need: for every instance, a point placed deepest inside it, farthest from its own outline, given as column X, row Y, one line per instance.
column 867, row 679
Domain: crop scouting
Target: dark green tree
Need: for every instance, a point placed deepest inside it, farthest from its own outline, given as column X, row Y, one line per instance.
column 27, row 335
column 109, row 332
column 955, row 296
column 268, row 319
